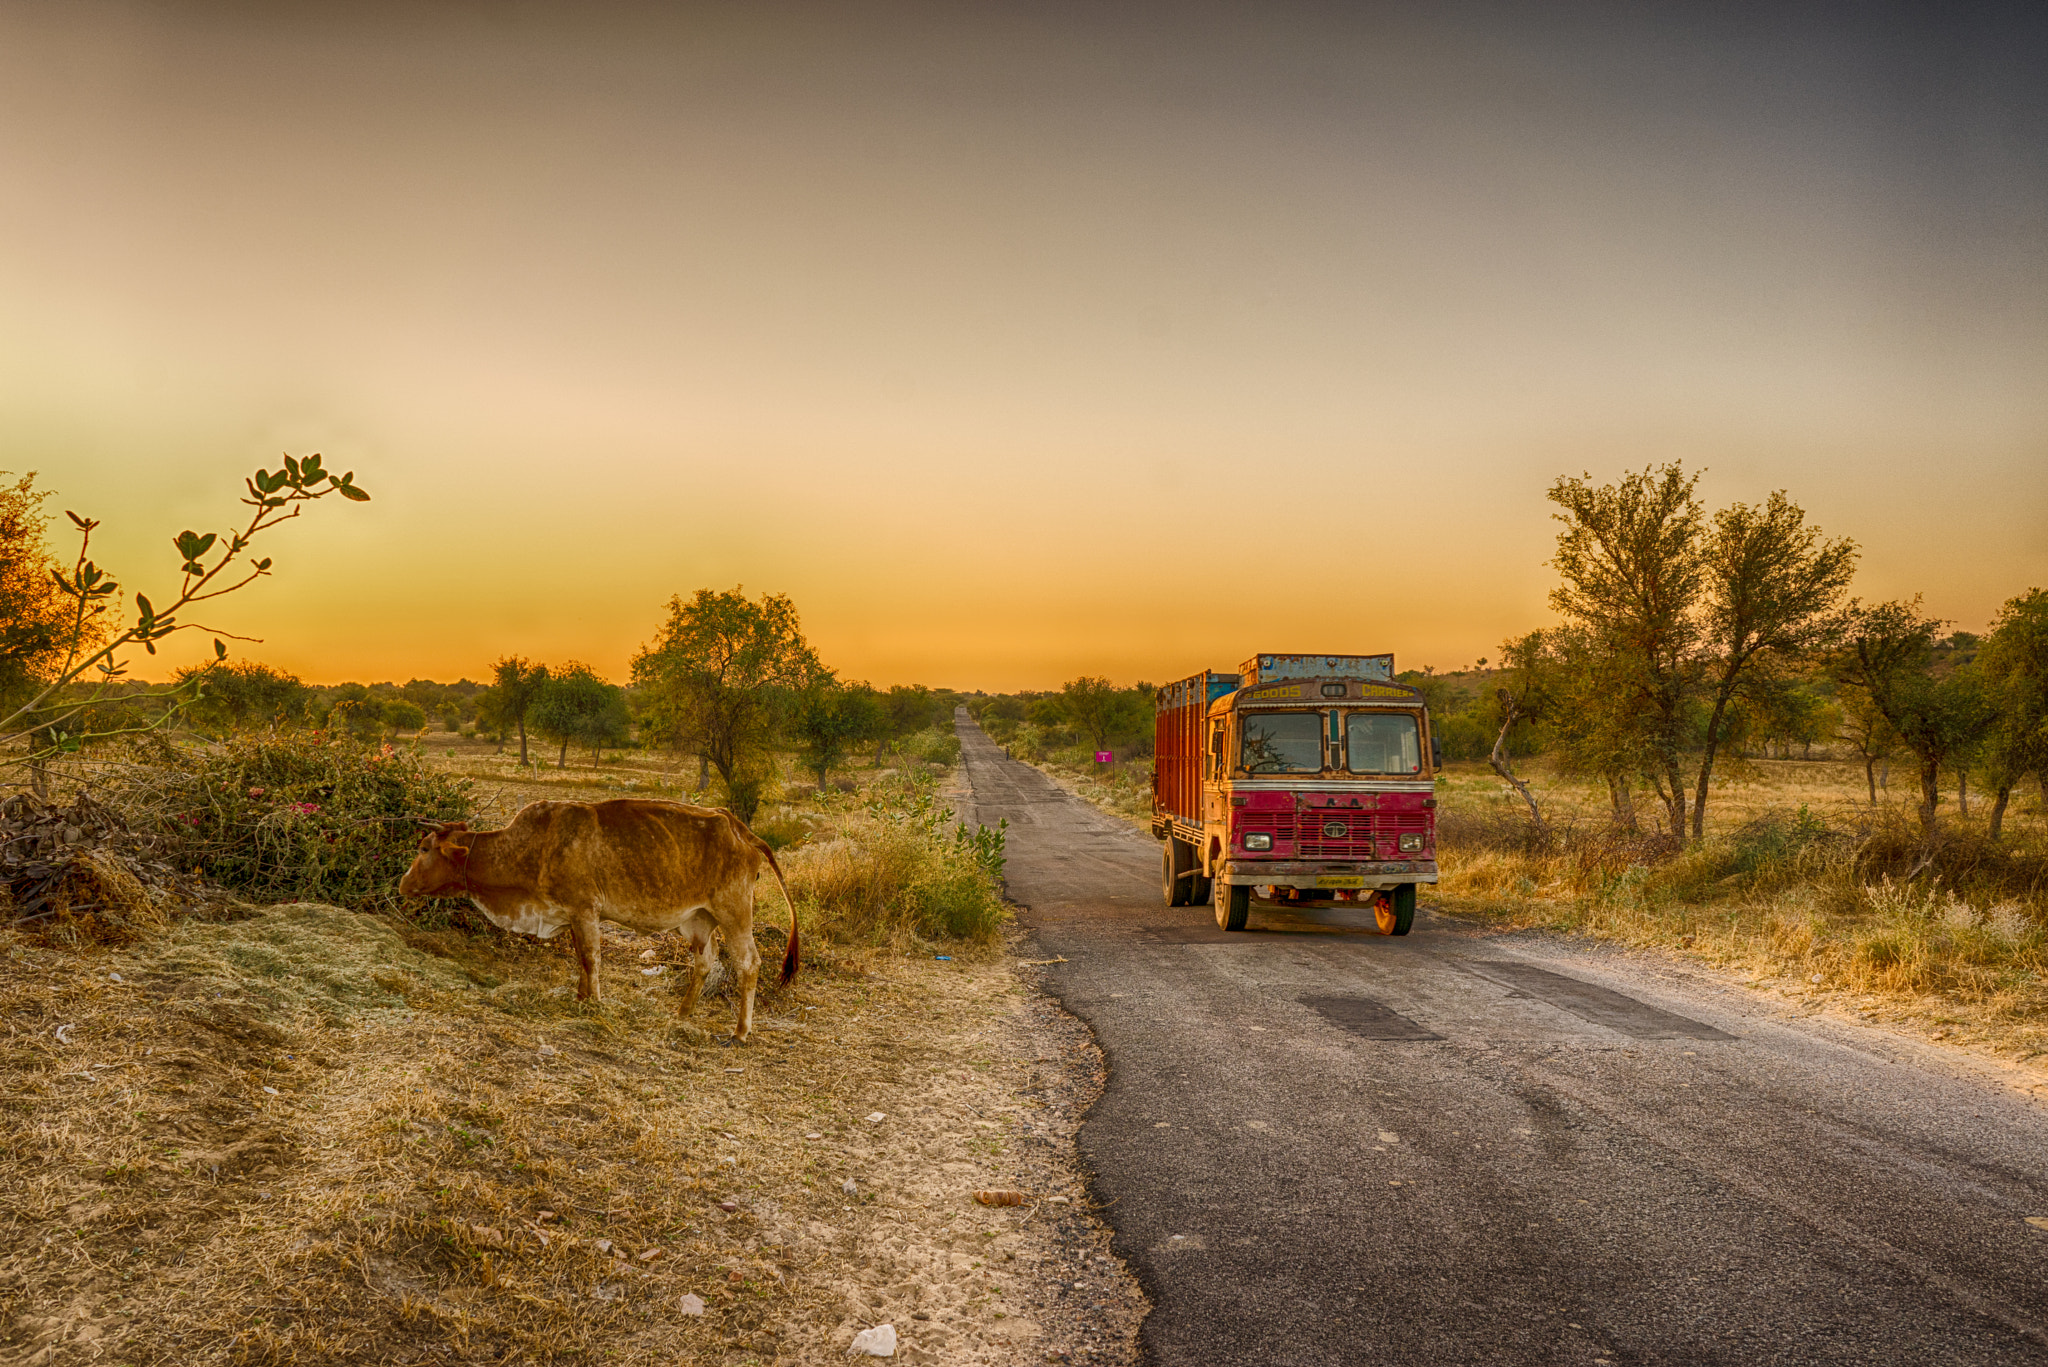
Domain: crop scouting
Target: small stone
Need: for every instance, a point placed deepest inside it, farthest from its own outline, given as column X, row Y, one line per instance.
column 814, row 1136
column 876, row 1117
column 543, row 1216
column 728, row 1206
column 919, row 1315
column 651, row 972
column 117, row 977
column 850, row 1187
column 2038, row 1221
column 1389, row 1137
column 273, row 1091
column 690, row 1304
column 602, row 1245
column 1056, row 1200
column 879, row 1341
column 648, row 1255
column 547, row 1051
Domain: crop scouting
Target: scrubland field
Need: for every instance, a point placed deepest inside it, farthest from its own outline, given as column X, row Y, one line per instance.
column 271, row 1129
column 1801, row 886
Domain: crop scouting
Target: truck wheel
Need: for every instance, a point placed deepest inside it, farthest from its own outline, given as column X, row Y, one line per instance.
column 1233, row 905
column 1198, row 882
column 1173, row 879
column 1396, row 912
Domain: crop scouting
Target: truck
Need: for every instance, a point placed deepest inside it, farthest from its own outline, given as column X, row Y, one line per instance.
column 1300, row 781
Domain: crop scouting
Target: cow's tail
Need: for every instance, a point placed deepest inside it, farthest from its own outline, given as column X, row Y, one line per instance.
column 792, row 958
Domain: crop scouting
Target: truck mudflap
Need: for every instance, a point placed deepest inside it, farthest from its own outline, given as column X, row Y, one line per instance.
column 1379, row 876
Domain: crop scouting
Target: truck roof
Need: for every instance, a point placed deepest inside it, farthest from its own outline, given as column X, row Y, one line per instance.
column 1260, row 669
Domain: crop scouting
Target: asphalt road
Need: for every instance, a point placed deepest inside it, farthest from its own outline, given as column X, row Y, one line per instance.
column 1322, row 1145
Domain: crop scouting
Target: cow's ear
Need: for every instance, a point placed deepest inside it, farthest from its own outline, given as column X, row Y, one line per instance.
column 451, row 850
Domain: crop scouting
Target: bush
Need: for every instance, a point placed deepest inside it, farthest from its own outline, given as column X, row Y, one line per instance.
column 897, row 868
column 934, row 746
column 297, row 818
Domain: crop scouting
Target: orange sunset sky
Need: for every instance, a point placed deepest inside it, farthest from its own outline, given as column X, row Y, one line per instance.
column 1015, row 341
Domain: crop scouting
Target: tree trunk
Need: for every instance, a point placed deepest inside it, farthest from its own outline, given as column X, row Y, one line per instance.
column 1962, row 794
column 522, row 742
column 1884, row 776
column 563, row 761
column 1677, row 802
column 703, row 772
column 1499, row 760
column 1870, row 776
column 1699, row 805
column 1998, row 802
column 1930, row 792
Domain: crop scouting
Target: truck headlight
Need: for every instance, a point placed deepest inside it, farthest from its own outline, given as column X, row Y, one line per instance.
column 1258, row 842
column 1411, row 844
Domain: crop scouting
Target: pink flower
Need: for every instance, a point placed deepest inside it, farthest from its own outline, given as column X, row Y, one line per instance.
column 305, row 808
column 255, row 792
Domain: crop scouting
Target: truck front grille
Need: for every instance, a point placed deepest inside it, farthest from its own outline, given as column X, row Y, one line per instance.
column 1331, row 834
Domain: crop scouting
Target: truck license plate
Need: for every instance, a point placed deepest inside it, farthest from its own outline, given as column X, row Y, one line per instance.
column 1339, row 880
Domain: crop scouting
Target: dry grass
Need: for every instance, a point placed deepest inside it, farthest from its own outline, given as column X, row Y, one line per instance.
column 314, row 1137
column 1801, row 886
column 310, row 1135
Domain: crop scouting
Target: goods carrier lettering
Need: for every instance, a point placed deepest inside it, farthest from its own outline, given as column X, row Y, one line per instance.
column 1299, row 781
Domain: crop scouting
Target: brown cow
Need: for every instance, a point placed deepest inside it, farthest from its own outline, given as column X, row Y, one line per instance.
column 645, row 864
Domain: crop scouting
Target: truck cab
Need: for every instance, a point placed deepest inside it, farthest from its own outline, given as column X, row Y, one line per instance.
column 1301, row 781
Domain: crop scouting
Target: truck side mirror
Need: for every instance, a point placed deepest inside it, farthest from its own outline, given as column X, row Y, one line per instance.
column 1436, row 753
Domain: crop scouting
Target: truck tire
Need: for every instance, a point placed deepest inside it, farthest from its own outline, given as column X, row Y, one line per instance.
column 1173, row 874
column 1233, row 905
column 1396, row 912
column 1198, row 882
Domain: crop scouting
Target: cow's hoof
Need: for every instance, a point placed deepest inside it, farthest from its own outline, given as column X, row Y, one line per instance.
column 733, row 1041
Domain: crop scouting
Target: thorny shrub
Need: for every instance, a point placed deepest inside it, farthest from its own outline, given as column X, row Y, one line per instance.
column 297, row 817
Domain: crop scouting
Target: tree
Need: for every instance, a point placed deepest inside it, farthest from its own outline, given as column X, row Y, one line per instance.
column 34, row 611
column 1634, row 577
column 720, row 676
column 515, row 683
column 1564, row 679
column 2014, row 663
column 401, row 715
column 51, row 709
column 1774, row 587
column 1522, row 696
column 1889, row 653
column 574, row 705
column 244, row 696
column 832, row 718
column 1104, row 712
column 1863, row 728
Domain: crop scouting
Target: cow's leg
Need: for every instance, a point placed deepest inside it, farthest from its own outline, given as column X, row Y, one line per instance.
column 702, row 956
column 583, row 937
column 746, row 962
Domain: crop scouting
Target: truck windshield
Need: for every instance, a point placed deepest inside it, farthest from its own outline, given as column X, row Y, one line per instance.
column 1283, row 742
column 1382, row 743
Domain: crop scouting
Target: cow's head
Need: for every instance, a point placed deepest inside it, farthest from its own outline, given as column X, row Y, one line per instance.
column 441, row 867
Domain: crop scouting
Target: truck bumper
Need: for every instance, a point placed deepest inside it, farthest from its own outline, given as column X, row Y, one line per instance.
column 1287, row 873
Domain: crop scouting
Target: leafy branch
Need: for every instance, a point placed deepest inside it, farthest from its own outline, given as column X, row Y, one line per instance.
column 211, row 565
